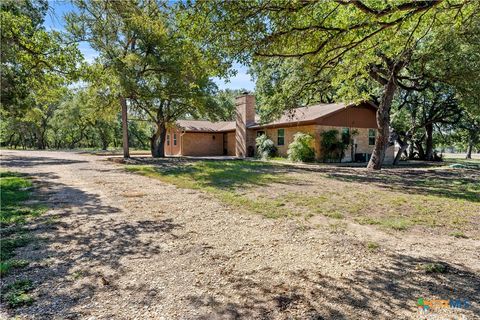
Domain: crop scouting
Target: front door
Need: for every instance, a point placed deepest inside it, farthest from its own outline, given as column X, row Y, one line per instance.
column 225, row 144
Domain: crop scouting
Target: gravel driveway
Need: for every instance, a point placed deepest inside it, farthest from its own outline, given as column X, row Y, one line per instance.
column 116, row 245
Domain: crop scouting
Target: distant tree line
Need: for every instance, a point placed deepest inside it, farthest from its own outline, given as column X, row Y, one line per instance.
column 81, row 119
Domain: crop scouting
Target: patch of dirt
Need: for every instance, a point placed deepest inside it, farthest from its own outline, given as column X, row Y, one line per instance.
column 173, row 253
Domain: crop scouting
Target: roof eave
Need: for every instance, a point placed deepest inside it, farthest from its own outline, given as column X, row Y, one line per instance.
column 283, row 124
column 206, row 131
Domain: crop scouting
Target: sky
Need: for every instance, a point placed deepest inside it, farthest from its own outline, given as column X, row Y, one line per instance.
column 54, row 21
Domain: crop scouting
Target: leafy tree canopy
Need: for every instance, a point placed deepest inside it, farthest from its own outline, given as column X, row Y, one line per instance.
column 357, row 48
column 32, row 58
column 355, row 38
column 161, row 72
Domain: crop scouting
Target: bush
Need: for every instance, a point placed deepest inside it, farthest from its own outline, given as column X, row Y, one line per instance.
column 434, row 268
column 332, row 147
column 265, row 147
column 300, row 149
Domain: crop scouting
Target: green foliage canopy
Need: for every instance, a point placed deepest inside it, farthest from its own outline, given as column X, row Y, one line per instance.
column 32, row 59
column 305, row 43
column 163, row 74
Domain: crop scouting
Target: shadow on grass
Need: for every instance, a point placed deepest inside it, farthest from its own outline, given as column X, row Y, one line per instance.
column 448, row 183
column 230, row 174
column 389, row 292
column 218, row 174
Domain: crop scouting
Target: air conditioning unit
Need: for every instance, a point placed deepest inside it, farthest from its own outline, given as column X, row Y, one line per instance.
column 362, row 157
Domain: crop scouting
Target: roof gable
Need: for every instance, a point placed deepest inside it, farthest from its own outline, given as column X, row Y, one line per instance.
column 311, row 114
column 305, row 114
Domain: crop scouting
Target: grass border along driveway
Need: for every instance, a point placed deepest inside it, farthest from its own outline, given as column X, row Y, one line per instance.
column 15, row 190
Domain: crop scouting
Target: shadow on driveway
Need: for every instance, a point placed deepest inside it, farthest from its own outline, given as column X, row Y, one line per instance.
column 30, row 161
column 389, row 292
column 80, row 243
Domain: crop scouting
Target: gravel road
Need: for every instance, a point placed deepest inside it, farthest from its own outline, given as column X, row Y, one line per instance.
column 116, row 245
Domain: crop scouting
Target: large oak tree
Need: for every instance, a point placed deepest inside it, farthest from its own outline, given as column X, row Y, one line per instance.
column 361, row 47
column 162, row 74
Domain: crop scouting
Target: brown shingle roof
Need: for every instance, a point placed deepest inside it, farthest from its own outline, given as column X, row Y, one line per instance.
column 295, row 116
column 305, row 114
column 206, row 126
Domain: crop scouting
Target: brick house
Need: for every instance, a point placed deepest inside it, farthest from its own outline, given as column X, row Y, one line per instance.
column 237, row 138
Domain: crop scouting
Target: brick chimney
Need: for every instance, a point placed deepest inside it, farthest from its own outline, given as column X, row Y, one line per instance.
column 245, row 116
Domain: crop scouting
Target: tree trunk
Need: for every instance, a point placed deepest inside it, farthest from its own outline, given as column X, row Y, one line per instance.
column 126, row 151
column 383, row 123
column 104, row 143
column 398, row 156
column 429, row 143
column 40, row 139
column 352, row 150
column 421, row 152
column 40, row 144
column 469, row 149
column 9, row 142
column 411, row 151
column 157, row 141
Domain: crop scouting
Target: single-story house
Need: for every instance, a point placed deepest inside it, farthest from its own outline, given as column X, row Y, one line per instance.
column 237, row 138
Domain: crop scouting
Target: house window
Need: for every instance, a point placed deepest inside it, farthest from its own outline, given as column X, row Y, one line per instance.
column 371, row 137
column 174, row 139
column 280, row 137
column 168, row 139
column 346, row 136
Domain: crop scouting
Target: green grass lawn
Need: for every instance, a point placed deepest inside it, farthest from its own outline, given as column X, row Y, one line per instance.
column 226, row 180
column 15, row 189
column 470, row 163
column 218, row 175
column 398, row 199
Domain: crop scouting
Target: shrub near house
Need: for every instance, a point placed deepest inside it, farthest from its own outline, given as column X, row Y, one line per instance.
column 265, row 147
column 301, row 150
column 332, row 147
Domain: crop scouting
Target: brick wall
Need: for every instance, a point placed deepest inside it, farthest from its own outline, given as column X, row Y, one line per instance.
column 361, row 140
column 202, row 144
column 363, row 147
column 230, row 143
column 272, row 133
